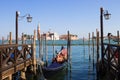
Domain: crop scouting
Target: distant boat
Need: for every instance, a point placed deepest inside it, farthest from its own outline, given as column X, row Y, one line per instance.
column 58, row 64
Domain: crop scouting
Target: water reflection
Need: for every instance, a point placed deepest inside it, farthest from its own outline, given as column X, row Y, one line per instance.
column 68, row 75
column 58, row 76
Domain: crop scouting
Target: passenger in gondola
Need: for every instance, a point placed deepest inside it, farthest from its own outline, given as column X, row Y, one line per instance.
column 64, row 54
column 58, row 59
column 61, row 56
column 54, row 60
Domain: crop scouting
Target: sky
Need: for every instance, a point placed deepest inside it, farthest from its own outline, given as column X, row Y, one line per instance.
column 80, row 17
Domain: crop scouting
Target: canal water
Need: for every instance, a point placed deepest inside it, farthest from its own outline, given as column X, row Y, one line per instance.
column 81, row 67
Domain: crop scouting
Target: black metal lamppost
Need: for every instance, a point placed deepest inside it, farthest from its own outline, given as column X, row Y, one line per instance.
column 29, row 19
column 106, row 16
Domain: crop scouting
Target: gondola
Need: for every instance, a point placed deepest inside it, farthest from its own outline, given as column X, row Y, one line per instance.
column 58, row 63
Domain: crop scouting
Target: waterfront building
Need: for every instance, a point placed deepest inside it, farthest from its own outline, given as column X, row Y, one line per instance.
column 51, row 35
column 65, row 37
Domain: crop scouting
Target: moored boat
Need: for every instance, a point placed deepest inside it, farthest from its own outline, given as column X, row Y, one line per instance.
column 53, row 68
column 58, row 63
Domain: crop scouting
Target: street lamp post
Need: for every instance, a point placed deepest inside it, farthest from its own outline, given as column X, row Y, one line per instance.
column 17, row 14
column 106, row 16
column 29, row 19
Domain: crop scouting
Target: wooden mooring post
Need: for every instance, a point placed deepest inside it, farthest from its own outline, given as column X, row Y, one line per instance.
column 46, row 54
column 97, row 64
column 41, row 47
column 45, row 49
column 93, row 48
column 89, row 46
column 2, row 40
column 69, row 47
column 118, row 37
column 10, row 38
column 69, row 65
column 84, row 46
column 97, row 44
column 22, row 38
column 118, row 57
column 93, row 45
column 34, row 52
column 53, row 45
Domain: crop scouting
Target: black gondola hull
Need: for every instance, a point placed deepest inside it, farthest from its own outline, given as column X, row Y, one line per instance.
column 53, row 69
